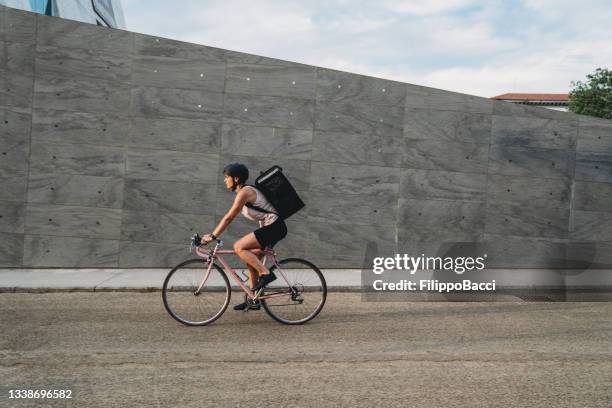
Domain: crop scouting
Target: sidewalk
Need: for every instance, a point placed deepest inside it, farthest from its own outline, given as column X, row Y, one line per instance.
column 35, row 280
column 512, row 284
column 153, row 278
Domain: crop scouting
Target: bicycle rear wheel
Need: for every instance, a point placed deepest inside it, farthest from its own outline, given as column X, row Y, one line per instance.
column 300, row 291
column 191, row 308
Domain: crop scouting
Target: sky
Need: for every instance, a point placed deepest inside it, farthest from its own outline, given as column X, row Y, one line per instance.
column 483, row 48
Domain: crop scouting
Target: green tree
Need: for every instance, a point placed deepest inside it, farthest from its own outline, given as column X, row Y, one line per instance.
column 593, row 97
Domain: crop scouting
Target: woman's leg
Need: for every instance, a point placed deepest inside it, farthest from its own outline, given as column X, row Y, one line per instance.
column 253, row 274
column 242, row 248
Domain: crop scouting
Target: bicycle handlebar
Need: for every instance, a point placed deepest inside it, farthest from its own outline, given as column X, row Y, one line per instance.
column 196, row 240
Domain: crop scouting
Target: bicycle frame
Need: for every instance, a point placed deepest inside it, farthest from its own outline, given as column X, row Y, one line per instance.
column 215, row 255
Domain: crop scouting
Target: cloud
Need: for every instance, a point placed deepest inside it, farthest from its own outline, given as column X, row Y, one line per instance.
column 458, row 36
column 531, row 73
column 472, row 46
column 359, row 25
column 425, row 8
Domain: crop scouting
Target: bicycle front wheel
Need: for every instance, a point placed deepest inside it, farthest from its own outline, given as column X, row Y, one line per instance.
column 185, row 303
column 298, row 293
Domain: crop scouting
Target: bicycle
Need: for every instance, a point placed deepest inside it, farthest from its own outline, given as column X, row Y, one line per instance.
column 197, row 292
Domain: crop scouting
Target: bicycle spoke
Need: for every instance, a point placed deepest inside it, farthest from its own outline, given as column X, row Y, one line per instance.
column 181, row 301
column 306, row 292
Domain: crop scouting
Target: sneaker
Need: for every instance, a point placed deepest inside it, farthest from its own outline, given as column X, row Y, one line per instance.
column 250, row 306
column 264, row 280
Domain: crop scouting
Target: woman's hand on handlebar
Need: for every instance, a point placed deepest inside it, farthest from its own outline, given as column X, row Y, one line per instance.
column 208, row 238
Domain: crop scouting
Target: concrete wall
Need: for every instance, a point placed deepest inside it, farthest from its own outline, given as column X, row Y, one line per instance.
column 112, row 145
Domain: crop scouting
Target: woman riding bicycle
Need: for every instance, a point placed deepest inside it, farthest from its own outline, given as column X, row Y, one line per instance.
column 254, row 206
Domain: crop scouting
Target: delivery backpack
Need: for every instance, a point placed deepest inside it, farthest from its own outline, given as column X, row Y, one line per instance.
column 279, row 192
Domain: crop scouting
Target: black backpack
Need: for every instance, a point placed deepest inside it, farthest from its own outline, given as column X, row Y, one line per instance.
column 279, row 192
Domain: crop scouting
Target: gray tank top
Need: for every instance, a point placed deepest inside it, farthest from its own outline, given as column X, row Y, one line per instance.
column 255, row 215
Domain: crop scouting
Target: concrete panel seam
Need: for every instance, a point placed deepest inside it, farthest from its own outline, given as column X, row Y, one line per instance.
column 72, row 236
column 169, row 181
column 37, row 18
column 43, row 140
column 543, row 239
column 426, row 198
column 126, row 146
column 487, row 200
column 570, row 221
column 353, row 164
column 403, row 167
column 220, row 140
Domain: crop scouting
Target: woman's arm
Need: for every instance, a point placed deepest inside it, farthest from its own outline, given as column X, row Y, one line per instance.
column 244, row 196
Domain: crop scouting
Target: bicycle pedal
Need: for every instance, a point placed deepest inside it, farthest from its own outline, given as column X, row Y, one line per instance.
column 253, row 305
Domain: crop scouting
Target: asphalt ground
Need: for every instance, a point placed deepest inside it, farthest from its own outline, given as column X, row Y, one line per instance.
column 116, row 349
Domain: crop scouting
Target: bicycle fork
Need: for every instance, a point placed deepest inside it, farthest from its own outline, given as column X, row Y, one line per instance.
column 204, row 279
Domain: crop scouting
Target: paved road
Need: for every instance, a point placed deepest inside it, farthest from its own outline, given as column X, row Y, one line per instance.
column 121, row 349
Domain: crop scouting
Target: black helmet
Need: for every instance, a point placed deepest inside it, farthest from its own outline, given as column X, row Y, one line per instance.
column 237, row 170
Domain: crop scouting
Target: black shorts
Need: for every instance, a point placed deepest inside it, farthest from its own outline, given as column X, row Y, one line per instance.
column 269, row 235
